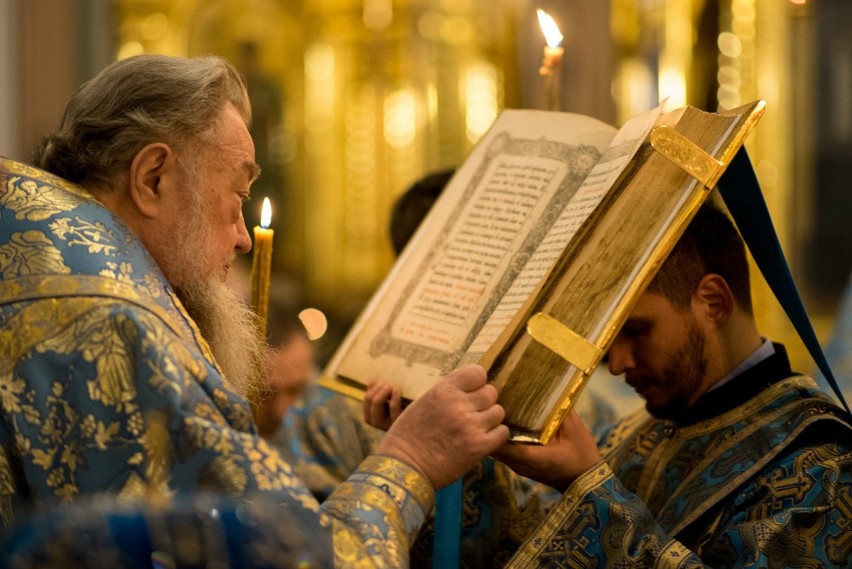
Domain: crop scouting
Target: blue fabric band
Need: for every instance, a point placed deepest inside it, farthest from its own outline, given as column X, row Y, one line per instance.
column 448, row 518
column 742, row 195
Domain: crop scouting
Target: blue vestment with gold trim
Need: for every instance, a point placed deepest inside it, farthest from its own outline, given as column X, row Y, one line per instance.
column 760, row 475
column 106, row 386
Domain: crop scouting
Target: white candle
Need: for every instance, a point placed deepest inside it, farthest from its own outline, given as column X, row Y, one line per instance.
column 551, row 62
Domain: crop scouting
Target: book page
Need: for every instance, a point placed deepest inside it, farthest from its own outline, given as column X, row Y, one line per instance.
column 598, row 182
column 458, row 283
column 490, row 220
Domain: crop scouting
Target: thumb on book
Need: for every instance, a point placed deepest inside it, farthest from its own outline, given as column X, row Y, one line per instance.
column 468, row 378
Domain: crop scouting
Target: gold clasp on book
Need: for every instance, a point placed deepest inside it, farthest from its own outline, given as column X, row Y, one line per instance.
column 689, row 156
column 563, row 341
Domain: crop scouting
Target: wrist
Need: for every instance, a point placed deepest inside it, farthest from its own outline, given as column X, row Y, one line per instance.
column 399, row 449
column 594, row 472
column 563, row 474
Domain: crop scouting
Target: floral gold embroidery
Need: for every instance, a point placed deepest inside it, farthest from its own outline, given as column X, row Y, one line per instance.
column 229, row 474
column 7, row 484
column 10, row 393
column 34, row 201
column 27, row 171
column 102, row 340
column 114, row 383
column 30, row 252
column 94, row 236
column 37, row 322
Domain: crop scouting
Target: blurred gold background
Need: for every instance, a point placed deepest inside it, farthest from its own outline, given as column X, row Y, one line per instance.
column 356, row 99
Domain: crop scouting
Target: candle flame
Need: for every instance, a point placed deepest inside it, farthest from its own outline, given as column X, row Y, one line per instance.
column 552, row 35
column 265, row 213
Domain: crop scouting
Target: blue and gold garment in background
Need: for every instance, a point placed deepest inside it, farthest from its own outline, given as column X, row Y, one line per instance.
column 107, row 386
column 760, row 475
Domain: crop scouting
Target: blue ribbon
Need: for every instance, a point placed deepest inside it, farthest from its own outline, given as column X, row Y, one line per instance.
column 742, row 195
column 446, row 547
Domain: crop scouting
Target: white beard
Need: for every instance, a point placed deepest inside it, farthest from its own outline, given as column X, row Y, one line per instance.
column 226, row 322
column 230, row 328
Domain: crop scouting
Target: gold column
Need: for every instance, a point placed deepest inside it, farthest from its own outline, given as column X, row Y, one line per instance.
column 754, row 63
column 393, row 90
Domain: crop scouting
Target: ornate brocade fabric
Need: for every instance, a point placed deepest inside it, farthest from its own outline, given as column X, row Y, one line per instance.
column 107, row 386
column 324, row 438
column 767, row 484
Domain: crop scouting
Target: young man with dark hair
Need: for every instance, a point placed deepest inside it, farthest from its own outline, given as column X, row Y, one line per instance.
column 736, row 460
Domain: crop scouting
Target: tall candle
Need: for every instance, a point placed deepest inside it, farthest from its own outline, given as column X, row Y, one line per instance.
column 261, row 265
column 551, row 61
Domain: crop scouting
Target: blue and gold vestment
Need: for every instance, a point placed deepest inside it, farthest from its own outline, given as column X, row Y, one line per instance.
column 107, row 386
column 324, row 437
column 760, row 475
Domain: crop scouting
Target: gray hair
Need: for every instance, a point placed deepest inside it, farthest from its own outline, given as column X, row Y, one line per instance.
column 136, row 102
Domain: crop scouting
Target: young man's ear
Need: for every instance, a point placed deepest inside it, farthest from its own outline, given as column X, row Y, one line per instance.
column 714, row 298
column 153, row 176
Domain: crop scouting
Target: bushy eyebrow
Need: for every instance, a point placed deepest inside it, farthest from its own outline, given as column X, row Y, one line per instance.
column 253, row 170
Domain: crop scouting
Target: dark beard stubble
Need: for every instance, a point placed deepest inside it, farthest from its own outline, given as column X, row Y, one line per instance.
column 683, row 376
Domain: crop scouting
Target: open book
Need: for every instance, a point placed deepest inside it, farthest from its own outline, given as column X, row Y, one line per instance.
column 532, row 257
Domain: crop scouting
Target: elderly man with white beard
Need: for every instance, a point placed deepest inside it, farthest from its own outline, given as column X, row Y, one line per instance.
column 127, row 365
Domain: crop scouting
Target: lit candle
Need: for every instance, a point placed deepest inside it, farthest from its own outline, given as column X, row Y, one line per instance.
column 551, row 61
column 261, row 265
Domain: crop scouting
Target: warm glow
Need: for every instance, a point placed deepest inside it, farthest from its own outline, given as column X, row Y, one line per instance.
column 320, row 100
column 480, row 99
column 315, row 322
column 671, row 84
column 129, row 49
column 400, row 118
column 552, row 35
column 729, row 45
column 634, row 86
column 265, row 213
column 377, row 15
column 155, row 26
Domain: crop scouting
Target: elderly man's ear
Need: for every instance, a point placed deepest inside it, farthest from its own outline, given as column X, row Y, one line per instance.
column 155, row 178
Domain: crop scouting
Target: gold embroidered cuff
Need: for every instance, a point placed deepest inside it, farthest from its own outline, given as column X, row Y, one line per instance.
column 528, row 554
column 405, row 482
column 590, row 479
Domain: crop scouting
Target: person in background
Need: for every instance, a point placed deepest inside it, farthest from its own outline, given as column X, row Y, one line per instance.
column 324, row 435
column 290, row 366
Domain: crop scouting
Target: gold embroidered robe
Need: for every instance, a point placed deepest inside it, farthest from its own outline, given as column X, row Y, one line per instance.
column 107, row 386
column 760, row 476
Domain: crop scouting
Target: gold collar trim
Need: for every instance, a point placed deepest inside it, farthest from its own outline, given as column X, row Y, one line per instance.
column 36, row 287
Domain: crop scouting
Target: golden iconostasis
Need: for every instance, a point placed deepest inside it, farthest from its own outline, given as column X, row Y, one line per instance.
column 355, row 100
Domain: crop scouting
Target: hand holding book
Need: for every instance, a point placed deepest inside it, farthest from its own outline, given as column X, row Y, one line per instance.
column 571, row 451
column 464, row 425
